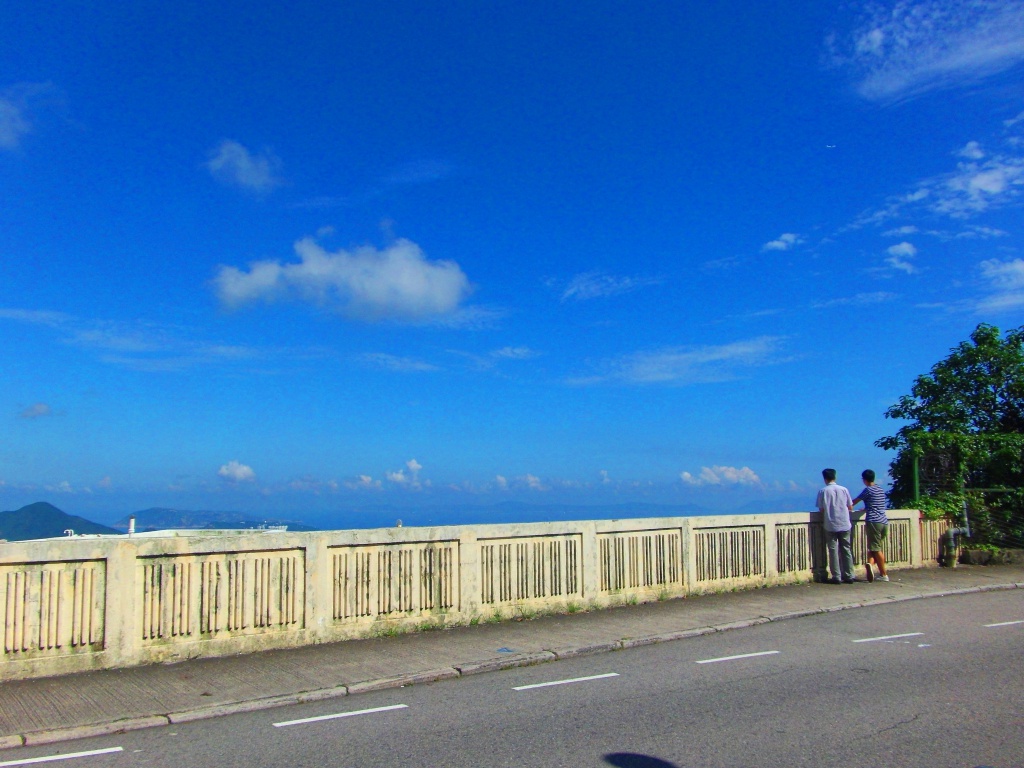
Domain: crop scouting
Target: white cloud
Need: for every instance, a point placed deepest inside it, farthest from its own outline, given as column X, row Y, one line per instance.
column 534, row 483
column 898, row 255
column 397, row 283
column 678, row 366
column 1005, row 283
column 13, row 124
column 363, row 483
column 903, row 49
column 232, row 163
column 36, row 411
column 976, row 187
column 501, row 482
column 971, row 151
column 785, row 242
column 594, row 285
column 722, row 476
column 410, row 479
column 236, row 473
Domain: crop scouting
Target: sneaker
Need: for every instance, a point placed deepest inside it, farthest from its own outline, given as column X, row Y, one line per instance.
column 849, row 581
column 881, row 578
column 833, row 581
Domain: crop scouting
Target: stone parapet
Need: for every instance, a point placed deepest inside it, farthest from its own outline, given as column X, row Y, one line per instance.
column 80, row 603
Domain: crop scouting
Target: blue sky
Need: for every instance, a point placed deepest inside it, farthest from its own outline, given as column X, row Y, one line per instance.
column 303, row 259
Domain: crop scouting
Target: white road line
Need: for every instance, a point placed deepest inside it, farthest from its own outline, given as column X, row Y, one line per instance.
column 340, row 714
column 740, row 656
column 888, row 637
column 1005, row 623
column 68, row 756
column 565, row 682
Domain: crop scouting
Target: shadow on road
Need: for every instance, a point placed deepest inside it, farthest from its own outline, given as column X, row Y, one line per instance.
column 633, row 760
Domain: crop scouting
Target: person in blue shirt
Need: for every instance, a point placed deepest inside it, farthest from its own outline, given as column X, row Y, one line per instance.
column 875, row 522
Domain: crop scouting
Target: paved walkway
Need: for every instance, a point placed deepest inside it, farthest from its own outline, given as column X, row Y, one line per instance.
column 93, row 703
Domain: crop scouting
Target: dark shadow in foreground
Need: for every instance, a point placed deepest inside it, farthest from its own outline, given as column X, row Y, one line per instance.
column 633, row 760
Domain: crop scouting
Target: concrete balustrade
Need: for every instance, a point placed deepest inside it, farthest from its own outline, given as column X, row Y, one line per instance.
column 82, row 603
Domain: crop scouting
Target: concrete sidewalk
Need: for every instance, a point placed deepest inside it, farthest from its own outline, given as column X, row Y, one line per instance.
column 93, row 703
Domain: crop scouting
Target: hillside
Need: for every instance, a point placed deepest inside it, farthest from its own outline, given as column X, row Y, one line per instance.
column 42, row 521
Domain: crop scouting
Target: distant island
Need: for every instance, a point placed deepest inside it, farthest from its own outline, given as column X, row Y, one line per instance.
column 43, row 520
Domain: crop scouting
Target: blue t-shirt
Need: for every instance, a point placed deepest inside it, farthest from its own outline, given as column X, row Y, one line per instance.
column 874, row 504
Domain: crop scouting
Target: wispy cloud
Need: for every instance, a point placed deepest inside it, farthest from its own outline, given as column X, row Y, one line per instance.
column 514, row 353
column 233, row 164
column 17, row 103
column 489, row 361
column 387, row 362
column 397, row 283
column 1005, row 285
column 13, row 124
column 418, row 172
column 721, row 476
column 900, row 50
column 899, row 255
column 784, row 242
column 411, row 174
column 973, row 187
column 903, row 231
column 680, row 366
column 597, row 285
column 36, row 411
column 137, row 345
column 857, row 300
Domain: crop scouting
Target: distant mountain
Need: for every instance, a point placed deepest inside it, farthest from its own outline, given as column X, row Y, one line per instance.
column 43, row 521
column 164, row 518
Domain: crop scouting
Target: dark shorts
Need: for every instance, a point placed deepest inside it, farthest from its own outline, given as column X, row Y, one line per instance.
column 877, row 533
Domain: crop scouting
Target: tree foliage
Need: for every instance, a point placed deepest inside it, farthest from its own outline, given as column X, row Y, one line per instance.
column 967, row 413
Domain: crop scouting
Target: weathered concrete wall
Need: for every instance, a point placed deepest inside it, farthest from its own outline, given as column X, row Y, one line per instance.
column 83, row 603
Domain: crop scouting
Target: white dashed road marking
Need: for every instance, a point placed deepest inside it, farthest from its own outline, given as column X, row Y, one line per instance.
column 1005, row 623
column 340, row 714
column 740, row 656
column 565, row 682
column 90, row 753
column 888, row 637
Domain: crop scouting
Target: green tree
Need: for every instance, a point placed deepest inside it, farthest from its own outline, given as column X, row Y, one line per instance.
column 968, row 410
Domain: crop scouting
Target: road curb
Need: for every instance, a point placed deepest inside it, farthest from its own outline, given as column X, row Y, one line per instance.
column 667, row 637
column 586, row 650
column 51, row 736
column 742, row 624
column 37, row 738
column 510, row 662
column 400, row 681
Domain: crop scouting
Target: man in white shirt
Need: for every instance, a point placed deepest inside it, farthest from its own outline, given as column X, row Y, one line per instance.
column 835, row 505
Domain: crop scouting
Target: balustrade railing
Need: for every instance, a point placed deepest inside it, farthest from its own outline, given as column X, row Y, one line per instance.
column 89, row 602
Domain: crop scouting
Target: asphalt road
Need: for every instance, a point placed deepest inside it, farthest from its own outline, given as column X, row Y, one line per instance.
column 927, row 683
